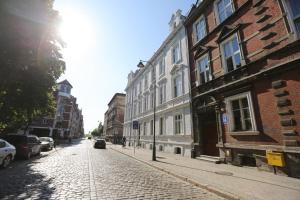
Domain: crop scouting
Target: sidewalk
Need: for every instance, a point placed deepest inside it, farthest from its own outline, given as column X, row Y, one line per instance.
column 226, row 180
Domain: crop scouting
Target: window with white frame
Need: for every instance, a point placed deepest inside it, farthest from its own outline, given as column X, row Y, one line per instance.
column 146, row 102
column 240, row 112
column 161, row 125
column 177, row 86
column 231, row 53
column 204, row 70
column 151, row 100
column 176, row 54
column 153, row 74
column 162, row 93
column 224, row 9
column 135, row 91
column 140, row 107
column 140, row 87
column 151, row 127
column 178, row 125
column 145, row 128
column 294, row 11
column 199, row 29
column 162, row 67
column 146, row 81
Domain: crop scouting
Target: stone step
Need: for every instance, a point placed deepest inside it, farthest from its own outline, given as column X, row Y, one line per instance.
column 212, row 159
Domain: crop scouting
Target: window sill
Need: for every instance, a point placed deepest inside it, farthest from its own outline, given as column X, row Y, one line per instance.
column 244, row 133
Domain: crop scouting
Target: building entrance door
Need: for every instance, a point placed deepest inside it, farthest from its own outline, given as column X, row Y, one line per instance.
column 209, row 133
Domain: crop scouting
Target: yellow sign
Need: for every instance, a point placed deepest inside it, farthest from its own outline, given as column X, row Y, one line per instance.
column 275, row 159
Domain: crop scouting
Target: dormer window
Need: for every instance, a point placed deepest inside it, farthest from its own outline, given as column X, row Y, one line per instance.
column 231, row 53
column 224, row 9
column 199, row 29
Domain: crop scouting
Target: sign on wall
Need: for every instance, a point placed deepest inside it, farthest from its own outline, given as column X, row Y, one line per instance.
column 225, row 119
column 135, row 124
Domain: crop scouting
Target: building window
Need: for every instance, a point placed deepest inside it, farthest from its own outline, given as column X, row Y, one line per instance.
column 140, row 87
column 241, row 112
column 199, row 29
column 204, row 70
column 178, row 124
column 146, row 80
column 145, row 128
column 162, row 67
column 294, row 7
column 231, row 53
column 176, row 55
column 160, row 148
column 151, row 127
column 177, row 150
column 225, row 9
column 177, row 89
column 151, row 100
column 146, row 102
column 161, row 125
column 140, row 107
column 162, row 93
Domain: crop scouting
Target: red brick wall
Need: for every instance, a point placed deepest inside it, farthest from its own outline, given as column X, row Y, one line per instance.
column 265, row 103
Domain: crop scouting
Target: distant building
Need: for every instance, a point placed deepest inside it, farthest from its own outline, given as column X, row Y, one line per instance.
column 245, row 80
column 164, row 83
column 67, row 122
column 114, row 118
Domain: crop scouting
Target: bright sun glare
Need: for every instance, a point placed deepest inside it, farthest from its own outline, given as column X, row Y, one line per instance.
column 76, row 31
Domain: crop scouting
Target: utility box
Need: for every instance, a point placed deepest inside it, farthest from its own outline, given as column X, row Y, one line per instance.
column 275, row 159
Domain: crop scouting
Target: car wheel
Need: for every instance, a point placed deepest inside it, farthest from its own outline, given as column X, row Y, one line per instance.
column 6, row 161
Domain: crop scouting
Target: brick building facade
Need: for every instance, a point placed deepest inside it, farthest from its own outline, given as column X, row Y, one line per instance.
column 245, row 80
column 114, row 119
column 67, row 122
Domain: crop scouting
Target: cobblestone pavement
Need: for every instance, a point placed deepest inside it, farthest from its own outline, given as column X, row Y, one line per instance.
column 81, row 172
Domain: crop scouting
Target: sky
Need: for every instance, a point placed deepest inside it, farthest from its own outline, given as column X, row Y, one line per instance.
column 105, row 39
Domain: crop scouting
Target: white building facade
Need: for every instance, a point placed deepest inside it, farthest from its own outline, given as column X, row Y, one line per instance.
column 164, row 83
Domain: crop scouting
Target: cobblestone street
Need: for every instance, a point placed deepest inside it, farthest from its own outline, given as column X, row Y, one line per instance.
column 82, row 172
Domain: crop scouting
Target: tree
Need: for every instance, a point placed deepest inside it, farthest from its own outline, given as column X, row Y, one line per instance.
column 30, row 61
column 100, row 129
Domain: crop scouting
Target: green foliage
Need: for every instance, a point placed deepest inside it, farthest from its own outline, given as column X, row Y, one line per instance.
column 30, row 61
column 98, row 131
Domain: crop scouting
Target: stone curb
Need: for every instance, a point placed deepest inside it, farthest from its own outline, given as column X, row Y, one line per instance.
column 218, row 192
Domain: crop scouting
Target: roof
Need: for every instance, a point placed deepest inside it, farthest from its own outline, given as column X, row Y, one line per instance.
column 65, row 82
column 117, row 94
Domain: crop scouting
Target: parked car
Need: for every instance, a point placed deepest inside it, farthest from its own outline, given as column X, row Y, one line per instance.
column 7, row 153
column 89, row 137
column 100, row 144
column 47, row 143
column 26, row 145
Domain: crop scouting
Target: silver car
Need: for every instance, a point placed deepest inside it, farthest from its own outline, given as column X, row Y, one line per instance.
column 7, row 153
column 47, row 143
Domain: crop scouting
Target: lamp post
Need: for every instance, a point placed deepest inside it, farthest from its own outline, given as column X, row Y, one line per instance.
column 141, row 65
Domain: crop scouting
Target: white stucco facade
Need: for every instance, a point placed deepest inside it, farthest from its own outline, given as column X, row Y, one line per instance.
column 166, row 74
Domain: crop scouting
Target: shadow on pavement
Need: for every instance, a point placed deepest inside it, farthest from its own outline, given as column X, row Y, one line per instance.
column 22, row 181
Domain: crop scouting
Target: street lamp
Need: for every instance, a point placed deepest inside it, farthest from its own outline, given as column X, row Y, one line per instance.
column 141, row 65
